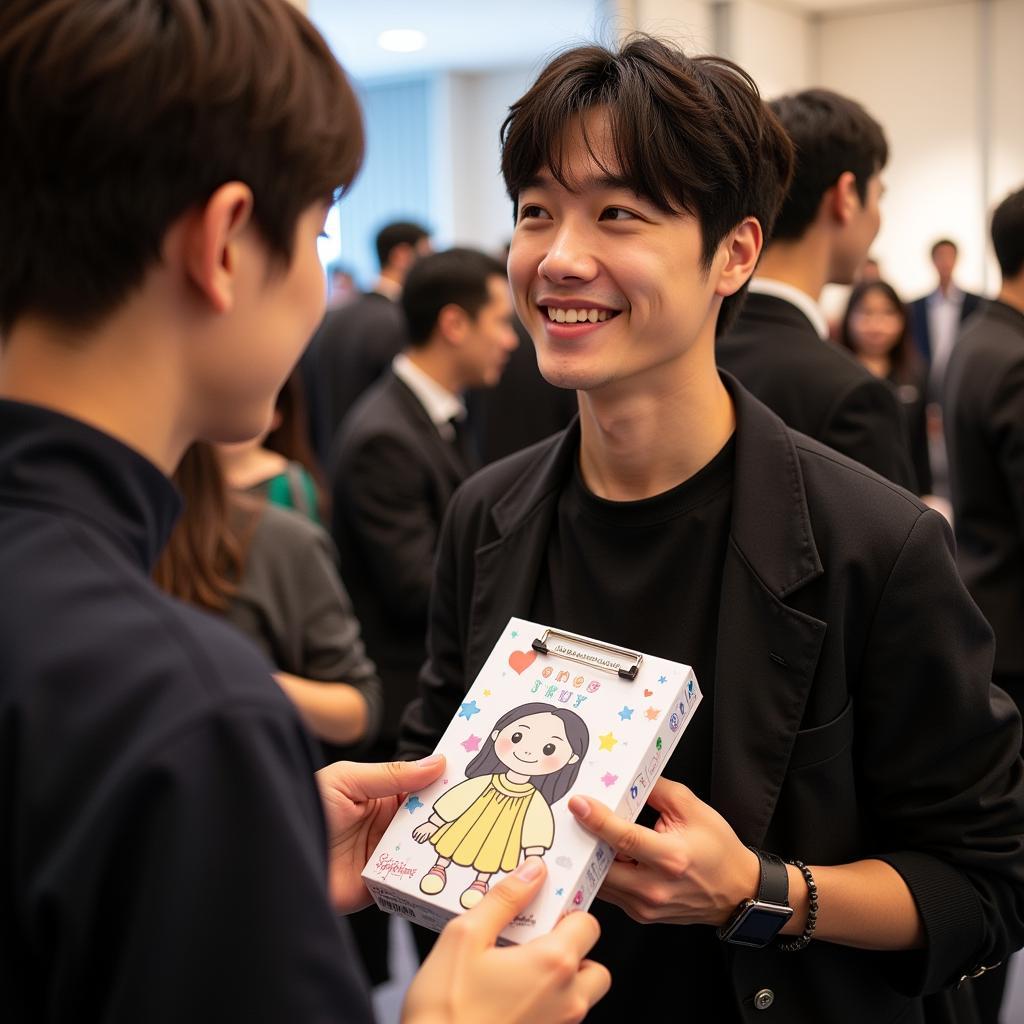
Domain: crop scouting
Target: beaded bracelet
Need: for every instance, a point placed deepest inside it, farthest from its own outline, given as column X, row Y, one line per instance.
column 812, row 911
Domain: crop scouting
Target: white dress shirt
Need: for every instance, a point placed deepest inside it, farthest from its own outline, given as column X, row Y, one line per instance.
column 440, row 404
column 792, row 294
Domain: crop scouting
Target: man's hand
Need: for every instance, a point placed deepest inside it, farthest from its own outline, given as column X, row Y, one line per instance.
column 466, row 979
column 691, row 868
column 359, row 802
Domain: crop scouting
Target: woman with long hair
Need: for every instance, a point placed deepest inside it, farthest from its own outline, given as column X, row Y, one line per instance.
column 271, row 572
column 876, row 329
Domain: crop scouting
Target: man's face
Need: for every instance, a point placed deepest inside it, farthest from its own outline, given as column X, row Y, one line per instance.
column 858, row 234
column 240, row 366
column 944, row 259
column 490, row 338
column 610, row 287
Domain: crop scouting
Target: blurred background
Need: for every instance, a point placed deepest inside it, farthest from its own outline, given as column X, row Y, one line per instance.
column 436, row 77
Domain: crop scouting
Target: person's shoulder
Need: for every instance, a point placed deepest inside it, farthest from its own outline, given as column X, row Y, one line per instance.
column 284, row 536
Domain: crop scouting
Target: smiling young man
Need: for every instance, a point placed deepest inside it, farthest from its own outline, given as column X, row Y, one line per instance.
column 849, row 721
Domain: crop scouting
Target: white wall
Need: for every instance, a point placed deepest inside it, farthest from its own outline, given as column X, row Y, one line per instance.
column 772, row 43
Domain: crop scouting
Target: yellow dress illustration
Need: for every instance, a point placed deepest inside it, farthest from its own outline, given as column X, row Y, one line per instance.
column 489, row 821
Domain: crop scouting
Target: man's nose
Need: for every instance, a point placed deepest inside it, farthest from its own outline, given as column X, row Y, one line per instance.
column 570, row 256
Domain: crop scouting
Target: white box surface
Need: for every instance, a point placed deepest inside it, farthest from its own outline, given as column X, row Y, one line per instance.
column 534, row 729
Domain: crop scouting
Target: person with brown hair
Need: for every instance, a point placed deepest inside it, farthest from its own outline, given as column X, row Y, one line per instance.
column 168, row 854
column 849, row 726
column 272, row 573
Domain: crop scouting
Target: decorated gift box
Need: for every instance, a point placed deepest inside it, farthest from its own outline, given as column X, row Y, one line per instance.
column 550, row 715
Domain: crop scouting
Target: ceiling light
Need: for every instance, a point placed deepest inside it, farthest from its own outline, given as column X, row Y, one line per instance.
column 402, row 40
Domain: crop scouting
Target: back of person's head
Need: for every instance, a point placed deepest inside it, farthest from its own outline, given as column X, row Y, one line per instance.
column 690, row 135
column 120, row 116
column 831, row 135
column 1008, row 235
column 456, row 277
column 401, row 233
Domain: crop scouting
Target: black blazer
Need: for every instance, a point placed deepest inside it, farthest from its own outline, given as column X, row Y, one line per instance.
column 919, row 320
column 816, row 387
column 985, row 438
column 392, row 476
column 353, row 346
column 853, row 712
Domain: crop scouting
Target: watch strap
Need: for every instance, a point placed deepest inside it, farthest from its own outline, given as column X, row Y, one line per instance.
column 774, row 885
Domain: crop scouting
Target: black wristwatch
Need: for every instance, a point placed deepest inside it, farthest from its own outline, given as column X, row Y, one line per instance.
column 757, row 921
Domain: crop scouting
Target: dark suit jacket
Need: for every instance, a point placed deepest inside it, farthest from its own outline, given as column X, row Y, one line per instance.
column 817, row 388
column 985, row 438
column 352, row 347
column 853, row 713
column 392, row 477
column 919, row 320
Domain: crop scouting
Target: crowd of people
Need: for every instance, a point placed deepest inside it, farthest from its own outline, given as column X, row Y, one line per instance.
column 257, row 549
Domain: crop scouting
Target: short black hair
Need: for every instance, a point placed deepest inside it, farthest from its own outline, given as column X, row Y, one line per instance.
column 118, row 117
column 402, row 232
column 454, row 277
column 941, row 242
column 690, row 134
column 831, row 135
column 1008, row 234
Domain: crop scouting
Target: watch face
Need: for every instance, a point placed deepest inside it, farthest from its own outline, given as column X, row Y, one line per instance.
column 757, row 924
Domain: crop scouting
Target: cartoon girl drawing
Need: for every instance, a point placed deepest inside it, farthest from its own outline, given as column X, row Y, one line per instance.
column 502, row 812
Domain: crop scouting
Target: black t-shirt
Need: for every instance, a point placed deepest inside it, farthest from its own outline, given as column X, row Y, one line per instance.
column 648, row 575
column 162, row 843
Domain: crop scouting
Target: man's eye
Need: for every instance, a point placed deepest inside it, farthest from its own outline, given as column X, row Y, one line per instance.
column 617, row 213
column 531, row 212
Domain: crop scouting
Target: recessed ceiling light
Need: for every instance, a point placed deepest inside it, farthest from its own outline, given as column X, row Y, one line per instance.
column 402, row 40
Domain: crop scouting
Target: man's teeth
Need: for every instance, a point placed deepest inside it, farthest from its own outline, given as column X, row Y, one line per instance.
column 578, row 316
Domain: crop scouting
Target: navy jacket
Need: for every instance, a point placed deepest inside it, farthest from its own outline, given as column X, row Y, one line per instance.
column 162, row 843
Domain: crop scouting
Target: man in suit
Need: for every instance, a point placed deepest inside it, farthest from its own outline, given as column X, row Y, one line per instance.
column 778, row 346
column 850, row 722
column 936, row 317
column 984, row 426
column 357, row 341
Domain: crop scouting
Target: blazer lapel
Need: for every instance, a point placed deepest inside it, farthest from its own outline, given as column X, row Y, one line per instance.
column 440, row 452
column 767, row 652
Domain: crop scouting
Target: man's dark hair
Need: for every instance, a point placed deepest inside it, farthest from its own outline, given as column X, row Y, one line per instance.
column 1008, row 234
column 455, row 277
column 118, row 116
column 689, row 133
column 391, row 236
column 831, row 135
column 940, row 243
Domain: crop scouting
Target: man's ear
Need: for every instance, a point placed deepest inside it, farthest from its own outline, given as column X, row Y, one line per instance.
column 737, row 256
column 843, row 199
column 453, row 324
column 210, row 243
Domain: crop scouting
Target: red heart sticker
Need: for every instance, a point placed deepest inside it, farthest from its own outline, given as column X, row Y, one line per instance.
column 648, row 693
column 520, row 661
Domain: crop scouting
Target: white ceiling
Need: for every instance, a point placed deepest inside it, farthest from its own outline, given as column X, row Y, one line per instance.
column 471, row 35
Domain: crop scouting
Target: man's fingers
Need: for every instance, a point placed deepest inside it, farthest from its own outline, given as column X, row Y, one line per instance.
column 634, row 841
column 390, row 778
column 505, row 901
column 577, row 932
column 671, row 798
column 594, row 980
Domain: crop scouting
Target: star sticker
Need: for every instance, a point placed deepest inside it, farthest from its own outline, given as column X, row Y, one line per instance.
column 608, row 779
column 515, row 633
column 626, row 713
column 662, row 679
column 652, row 713
column 559, row 892
column 487, row 693
column 608, row 741
column 472, row 744
column 413, row 803
column 469, row 709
